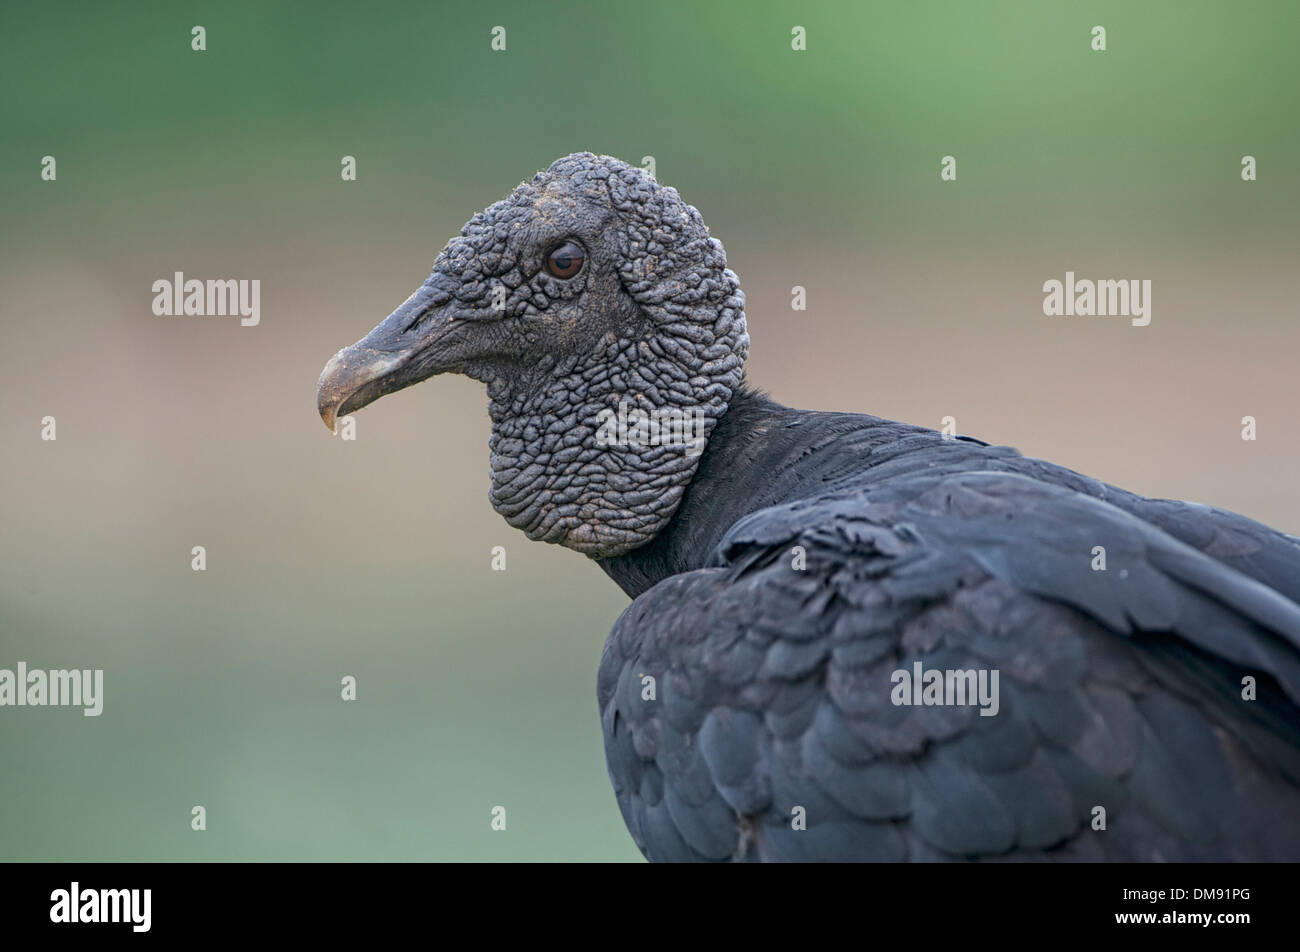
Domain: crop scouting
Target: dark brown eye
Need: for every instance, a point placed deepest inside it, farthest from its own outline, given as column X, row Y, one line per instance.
column 565, row 261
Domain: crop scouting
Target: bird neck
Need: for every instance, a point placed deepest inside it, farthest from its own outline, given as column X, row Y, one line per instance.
column 728, row 482
column 594, row 460
column 760, row 453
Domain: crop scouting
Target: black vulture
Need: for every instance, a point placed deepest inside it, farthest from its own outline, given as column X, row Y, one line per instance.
column 850, row 638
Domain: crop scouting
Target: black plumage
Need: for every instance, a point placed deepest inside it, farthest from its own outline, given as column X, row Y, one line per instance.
column 786, row 576
column 1119, row 688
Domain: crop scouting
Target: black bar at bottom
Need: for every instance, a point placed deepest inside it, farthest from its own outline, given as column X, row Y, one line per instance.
column 330, row 901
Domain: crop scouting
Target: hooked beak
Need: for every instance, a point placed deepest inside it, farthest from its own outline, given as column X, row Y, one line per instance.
column 393, row 356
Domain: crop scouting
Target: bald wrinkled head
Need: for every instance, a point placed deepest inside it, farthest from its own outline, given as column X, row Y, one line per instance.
column 610, row 332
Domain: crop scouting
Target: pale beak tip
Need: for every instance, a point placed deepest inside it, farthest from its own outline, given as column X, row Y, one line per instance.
column 327, row 394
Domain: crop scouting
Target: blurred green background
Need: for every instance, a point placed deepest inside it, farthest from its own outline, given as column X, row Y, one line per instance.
column 372, row 558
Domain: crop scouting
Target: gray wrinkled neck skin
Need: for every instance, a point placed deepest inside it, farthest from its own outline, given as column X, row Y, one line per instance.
column 563, row 470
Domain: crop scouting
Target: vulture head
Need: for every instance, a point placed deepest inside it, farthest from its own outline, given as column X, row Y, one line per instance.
column 609, row 331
